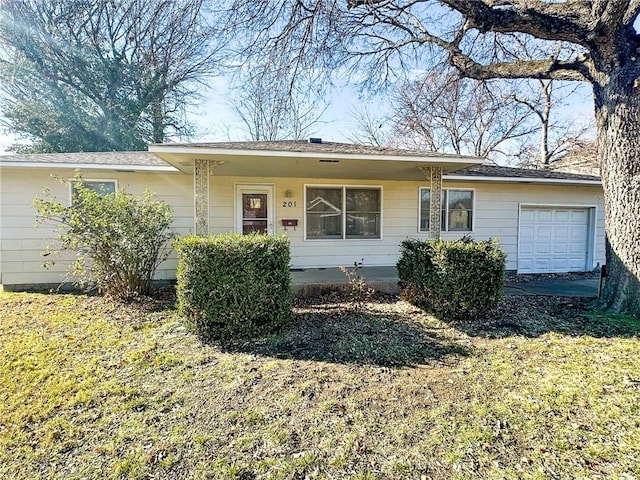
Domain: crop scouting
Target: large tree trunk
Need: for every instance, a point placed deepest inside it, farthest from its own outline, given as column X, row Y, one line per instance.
column 618, row 115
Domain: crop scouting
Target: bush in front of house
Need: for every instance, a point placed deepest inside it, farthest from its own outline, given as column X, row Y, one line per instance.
column 455, row 280
column 119, row 239
column 233, row 285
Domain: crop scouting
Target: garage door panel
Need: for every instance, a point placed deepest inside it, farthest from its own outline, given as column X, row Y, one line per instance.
column 553, row 239
column 543, row 231
column 559, row 264
column 576, row 248
column 560, row 248
column 579, row 216
column 526, row 247
column 527, row 232
column 528, row 216
column 545, row 216
column 576, row 265
column 577, row 233
column 542, row 248
column 562, row 216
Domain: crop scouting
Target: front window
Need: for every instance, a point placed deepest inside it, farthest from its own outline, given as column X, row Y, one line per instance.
column 324, row 212
column 457, row 210
column 343, row 212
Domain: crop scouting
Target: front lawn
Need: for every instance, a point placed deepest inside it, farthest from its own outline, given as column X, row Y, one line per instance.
column 93, row 389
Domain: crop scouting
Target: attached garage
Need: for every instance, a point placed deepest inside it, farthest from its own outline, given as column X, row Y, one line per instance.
column 555, row 239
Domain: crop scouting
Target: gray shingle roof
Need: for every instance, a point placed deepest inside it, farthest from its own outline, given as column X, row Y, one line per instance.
column 305, row 146
column 146, row 159
column 511, row 172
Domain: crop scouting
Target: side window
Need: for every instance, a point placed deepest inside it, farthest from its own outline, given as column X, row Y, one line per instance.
column 103, row 187
column 457, row 210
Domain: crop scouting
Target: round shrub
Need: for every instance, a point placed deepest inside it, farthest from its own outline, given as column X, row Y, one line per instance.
column 455, row 280
column 119, row 239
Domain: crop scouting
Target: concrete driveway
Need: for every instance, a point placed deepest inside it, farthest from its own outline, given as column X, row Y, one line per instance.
column 563, row 287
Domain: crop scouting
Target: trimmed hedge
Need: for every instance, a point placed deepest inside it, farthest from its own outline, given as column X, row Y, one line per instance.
column 455, row 280
column 233, row 285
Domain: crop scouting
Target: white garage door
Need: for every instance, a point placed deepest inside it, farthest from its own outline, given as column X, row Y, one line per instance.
column 553, row 240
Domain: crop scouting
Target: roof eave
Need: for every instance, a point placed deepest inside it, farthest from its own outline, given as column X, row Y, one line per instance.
column 177, row 149
column 562, row 181
column 91, row 166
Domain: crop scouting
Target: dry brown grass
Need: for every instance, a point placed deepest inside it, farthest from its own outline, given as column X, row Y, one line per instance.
column 94, row 389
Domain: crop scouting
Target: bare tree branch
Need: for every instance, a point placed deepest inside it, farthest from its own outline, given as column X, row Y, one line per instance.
column 538, row 18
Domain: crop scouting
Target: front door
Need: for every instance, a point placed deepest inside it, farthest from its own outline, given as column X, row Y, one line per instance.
column 254, row 209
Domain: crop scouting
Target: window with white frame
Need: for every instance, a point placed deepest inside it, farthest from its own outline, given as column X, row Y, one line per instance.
column 457, row 210
column 103, row 187
column 342, row 212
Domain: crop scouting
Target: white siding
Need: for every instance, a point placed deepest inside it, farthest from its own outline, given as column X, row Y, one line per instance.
column 495, row 215
column 21, row 243
column 497, row 210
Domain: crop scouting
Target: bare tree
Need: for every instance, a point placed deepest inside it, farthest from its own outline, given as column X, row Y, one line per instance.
column 482, row 39
column 557, row 136
column 443, row 112
column 273, row 107
column 580, row 158
column 101, row 75
column 369, row 128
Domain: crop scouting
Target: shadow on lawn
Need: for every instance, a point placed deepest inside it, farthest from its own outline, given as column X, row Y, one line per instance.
column 533, row 316
column 340, row 336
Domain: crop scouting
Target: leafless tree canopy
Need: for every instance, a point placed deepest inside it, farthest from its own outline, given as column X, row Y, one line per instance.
column 517, row 122
column 274, row 107
column 101, row 75
column 443, row 112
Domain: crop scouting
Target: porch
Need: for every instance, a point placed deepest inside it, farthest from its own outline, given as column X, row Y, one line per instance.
column 311, row 282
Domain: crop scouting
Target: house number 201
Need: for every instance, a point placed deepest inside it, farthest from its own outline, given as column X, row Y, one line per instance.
column 289, row 203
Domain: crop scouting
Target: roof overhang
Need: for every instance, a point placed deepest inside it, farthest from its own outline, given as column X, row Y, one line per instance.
column 539, row 180
column 277, row 163
column 90, row 166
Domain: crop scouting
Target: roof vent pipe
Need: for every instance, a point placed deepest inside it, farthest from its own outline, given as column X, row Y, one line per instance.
column 315, row 140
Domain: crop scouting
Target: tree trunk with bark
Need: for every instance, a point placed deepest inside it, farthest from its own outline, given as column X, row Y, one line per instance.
column 618, row 117
column 157, row 122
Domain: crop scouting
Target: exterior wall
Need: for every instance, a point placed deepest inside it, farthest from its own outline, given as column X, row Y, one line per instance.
column 497, row 210
column 21, row 243
column 495, row 215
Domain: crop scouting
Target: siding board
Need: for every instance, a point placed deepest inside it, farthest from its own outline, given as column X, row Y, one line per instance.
column 495, row 215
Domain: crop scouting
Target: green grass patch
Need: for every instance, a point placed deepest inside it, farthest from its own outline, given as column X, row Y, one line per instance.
column 95, row 389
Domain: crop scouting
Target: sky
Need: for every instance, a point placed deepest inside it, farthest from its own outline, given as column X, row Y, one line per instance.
column 216, row 121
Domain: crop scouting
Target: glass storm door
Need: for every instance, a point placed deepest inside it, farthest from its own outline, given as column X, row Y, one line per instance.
column 254, row 209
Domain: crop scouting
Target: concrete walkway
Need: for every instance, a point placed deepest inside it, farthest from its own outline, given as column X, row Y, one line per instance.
column 315, row 281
